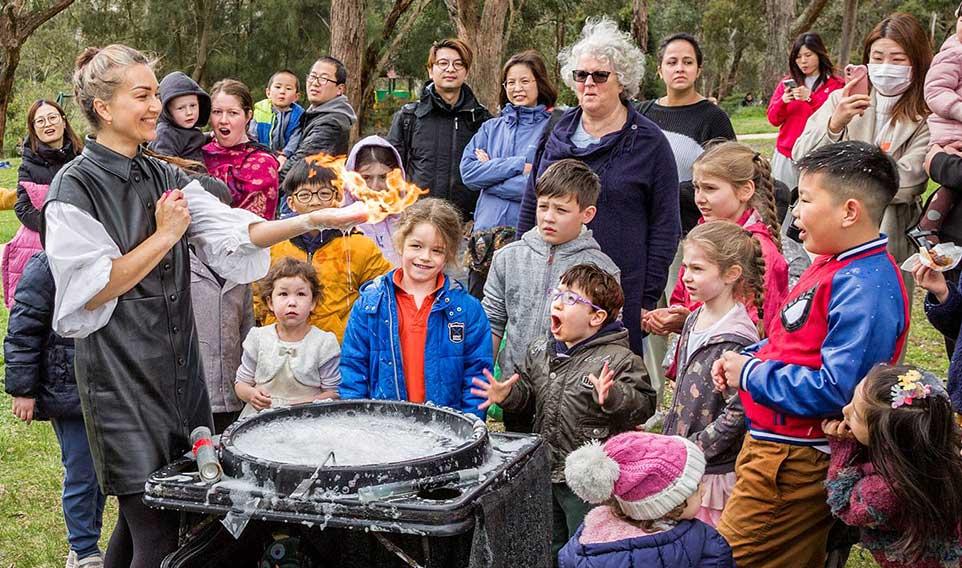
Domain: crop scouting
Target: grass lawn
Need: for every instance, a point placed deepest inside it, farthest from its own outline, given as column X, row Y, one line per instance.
column 32, row 532
column 751, row 120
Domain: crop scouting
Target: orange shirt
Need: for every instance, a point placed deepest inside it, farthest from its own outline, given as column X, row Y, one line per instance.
column 413, row 332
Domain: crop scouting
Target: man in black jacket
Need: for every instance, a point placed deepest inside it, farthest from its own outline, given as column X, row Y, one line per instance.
column 326, row 124
column 431, row 134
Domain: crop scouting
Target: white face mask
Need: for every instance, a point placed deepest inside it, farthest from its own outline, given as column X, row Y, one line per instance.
column 888, row 79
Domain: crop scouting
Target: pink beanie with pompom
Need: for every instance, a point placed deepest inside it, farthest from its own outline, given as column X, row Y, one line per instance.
column 648, row 474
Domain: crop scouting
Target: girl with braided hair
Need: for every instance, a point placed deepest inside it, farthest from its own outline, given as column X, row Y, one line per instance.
column 732, row 183
column 724, row 272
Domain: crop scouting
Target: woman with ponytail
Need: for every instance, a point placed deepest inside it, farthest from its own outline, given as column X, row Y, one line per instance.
column 117, row 222
column 733, row 183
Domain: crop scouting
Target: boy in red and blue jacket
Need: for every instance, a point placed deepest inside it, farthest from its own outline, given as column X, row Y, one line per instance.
column 848, row 312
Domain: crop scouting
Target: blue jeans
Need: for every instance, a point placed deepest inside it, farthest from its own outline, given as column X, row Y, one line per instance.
column 83, row 503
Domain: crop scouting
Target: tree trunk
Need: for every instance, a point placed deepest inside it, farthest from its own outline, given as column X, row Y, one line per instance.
column 849, row 18
column 807, row 19
column 779, row 14
column 484, row 32
column 725, row 88
column 16, row 25
column 639, row 29
column 204, row 13
column 398, row 25
column 348, row 39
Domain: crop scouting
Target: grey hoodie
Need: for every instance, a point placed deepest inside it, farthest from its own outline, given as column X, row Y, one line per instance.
column 516, row 292
column 172, row 140
column 324, row 128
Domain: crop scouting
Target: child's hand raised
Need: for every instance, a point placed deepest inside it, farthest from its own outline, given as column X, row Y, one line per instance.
column 260, row 399
column 603, row 383
column 836, row 429
column 493, row 391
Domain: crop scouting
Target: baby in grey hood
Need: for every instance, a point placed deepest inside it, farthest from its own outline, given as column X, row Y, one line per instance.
column 186, row 110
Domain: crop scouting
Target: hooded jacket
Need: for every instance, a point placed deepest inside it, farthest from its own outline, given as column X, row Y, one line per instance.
column 943, row 93
column 457, row 349
column 690, row 544
column 343, row 263
column 715, row 421
column 776, row 273
column 39, row 168
column 172, row 140
column 516, row 291
column 382, row 232
column 279, row 130
column 567, row 413
column 325, row 128
column 431, row 136
column 638, row 223
column 39, row 363
column 510, row 141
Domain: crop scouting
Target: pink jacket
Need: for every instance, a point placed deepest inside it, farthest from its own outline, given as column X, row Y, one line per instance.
column 250, row 173
column 791, row 117
column 22, row 246
column 943, row 94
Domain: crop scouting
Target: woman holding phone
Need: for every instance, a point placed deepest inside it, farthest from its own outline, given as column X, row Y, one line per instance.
column 892, row 115
column 811, row 79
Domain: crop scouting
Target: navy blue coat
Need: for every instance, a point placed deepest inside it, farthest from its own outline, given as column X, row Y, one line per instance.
column 947, row 319
column 39, row 362
column 690, row 544
column 638, row 223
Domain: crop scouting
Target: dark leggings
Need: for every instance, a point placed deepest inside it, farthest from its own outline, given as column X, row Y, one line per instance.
column 143, row 536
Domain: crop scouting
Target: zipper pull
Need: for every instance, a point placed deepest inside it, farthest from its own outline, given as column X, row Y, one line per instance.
column 455, row 123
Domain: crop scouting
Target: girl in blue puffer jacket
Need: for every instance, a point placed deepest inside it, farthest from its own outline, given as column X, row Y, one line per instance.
column 414, row 334
column 649, row 486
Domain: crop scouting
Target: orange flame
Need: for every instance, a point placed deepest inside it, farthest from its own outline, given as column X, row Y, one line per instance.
column 398, row 196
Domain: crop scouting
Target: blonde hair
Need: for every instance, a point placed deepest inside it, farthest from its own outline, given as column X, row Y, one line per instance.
column 438, row 213
column 98, row 73
column 726, row 244
column 738, row 164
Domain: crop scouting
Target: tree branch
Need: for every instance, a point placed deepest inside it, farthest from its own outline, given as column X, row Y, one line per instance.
column 33, row 20
column 806, row 20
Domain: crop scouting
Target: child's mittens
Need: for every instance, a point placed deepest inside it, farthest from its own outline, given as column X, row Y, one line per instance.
column 591, row 473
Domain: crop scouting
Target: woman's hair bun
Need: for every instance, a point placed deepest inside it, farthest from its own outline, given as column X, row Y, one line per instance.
column 86, row 56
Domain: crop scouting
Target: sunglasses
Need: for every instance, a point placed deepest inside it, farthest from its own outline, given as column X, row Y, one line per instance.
column 597, row 76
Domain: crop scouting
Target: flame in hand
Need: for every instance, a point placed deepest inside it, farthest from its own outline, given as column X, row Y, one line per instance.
column 398, row 196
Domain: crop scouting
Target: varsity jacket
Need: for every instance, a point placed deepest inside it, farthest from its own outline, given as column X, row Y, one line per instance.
column 847, row 313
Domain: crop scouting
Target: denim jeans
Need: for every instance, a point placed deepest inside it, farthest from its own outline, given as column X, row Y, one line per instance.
column 83, row 503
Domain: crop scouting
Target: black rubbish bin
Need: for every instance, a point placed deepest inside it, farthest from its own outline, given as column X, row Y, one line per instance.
column 500, row 518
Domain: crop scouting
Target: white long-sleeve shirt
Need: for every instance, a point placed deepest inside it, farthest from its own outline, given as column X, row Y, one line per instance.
column 81, row 255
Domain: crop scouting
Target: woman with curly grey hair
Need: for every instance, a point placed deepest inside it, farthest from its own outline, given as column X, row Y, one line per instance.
column 638, row 222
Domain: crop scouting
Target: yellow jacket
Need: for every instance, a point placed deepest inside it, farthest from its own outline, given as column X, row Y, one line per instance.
column 8, row 198
column 343, row 264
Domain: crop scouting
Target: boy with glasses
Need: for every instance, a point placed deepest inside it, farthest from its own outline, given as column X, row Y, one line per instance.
column 584, row 380
column 343, row 261
column 431, row 134
column 326, row 124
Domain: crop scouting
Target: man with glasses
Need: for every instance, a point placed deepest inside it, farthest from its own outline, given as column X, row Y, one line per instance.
column 326, row 124
column 431, row 134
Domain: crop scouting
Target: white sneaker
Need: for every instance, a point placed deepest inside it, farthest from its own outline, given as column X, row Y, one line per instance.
column 71, row 560
column 95, row 561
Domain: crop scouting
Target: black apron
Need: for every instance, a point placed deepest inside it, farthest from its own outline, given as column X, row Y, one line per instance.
column 140, row 378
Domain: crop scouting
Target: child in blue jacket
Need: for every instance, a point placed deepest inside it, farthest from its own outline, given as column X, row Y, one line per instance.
column 40, row 378
column 415, row 334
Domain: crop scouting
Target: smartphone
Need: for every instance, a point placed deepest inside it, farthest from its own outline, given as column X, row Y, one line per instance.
column 857, row 74
column 789, row 84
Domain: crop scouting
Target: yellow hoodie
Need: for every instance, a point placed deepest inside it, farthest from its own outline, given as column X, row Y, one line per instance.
column 343, row 264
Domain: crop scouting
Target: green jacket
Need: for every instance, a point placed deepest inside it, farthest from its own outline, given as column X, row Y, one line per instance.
column 567, row 413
